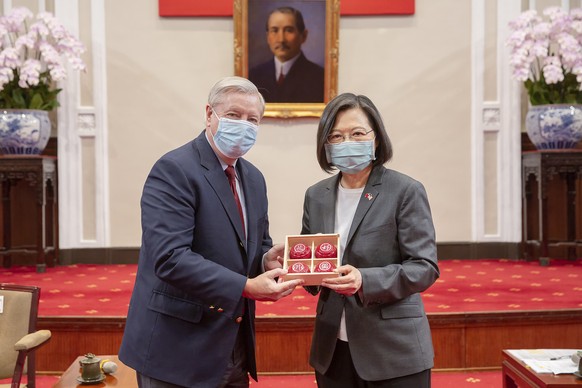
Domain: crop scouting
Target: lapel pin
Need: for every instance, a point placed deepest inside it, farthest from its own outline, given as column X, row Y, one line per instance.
column 368, row 196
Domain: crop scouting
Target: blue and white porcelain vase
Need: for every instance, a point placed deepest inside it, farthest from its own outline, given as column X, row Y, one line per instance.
column 557, row 126
column 24, row 131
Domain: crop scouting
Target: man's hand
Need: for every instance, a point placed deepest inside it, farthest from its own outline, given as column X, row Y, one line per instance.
column 274, row 257
column 266, row 287
column 348, row 284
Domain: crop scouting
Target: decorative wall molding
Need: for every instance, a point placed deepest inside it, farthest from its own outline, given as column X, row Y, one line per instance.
column 77, row 123
column 491, row 119
column 86, row 124
column 502, row 117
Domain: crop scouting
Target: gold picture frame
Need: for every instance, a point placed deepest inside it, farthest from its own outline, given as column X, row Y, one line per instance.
column 330, row 50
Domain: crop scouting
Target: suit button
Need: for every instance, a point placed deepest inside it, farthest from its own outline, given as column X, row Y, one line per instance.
column 238, row 320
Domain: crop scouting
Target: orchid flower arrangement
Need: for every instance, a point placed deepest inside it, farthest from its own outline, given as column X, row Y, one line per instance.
column 31, row 59
column 546, row 55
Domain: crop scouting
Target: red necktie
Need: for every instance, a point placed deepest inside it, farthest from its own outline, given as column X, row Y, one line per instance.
column 232, row 180
column 281, row 78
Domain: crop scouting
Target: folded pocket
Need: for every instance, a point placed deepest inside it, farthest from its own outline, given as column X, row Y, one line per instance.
column 175, row 307
column 410, row 310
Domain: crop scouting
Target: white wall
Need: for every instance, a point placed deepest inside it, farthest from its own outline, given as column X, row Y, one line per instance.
column 415, row 68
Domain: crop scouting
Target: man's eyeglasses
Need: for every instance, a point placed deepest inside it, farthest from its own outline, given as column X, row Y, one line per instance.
column 359, row 134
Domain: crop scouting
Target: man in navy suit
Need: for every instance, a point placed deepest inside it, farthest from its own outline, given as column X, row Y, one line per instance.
column 289, row 76
column 206, row 254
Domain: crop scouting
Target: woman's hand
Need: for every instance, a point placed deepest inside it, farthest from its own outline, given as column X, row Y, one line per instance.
column 348, row 283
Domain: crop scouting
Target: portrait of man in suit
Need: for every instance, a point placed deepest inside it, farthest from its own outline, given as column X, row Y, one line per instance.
column 289, row 75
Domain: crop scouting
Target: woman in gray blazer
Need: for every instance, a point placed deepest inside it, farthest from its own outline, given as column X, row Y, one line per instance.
column 371, row 329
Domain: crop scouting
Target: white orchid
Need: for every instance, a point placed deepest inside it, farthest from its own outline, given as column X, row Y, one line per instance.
column 547, row 55
column 33, row 50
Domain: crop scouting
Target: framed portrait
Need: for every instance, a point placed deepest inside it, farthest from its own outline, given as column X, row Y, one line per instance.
column 289, row 50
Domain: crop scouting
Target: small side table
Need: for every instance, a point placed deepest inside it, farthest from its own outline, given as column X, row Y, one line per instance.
column 40, row 172
column 545, row 166
column 124, row 376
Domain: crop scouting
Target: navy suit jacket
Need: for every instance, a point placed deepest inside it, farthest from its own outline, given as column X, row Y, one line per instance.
column 303, row 83
column 193, row 265
column 392, row 243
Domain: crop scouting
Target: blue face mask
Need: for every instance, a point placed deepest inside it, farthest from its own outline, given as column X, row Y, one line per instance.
column 351, row 157
column 234, row 138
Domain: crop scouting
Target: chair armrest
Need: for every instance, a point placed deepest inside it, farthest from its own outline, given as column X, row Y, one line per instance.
column 32, row 340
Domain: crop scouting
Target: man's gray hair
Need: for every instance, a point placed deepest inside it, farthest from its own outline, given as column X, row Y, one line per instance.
column 234, row 85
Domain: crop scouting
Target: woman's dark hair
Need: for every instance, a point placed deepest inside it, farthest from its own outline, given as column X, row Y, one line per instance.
column 346, row 101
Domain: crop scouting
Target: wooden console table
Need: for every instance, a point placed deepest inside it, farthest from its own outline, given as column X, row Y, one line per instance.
column 40, row 172
column 545, row 166
column 123, row 377
column 518, row 374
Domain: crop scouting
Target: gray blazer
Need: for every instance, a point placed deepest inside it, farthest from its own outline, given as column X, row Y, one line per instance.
column 392, row 243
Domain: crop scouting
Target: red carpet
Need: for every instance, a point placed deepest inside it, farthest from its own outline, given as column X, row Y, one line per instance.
column 464, row 286
column 489, row 379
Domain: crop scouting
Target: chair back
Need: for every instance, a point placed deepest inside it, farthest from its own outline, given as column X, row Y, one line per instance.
column 18, row 316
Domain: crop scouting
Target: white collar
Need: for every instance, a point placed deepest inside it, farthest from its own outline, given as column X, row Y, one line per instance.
column 285, row 66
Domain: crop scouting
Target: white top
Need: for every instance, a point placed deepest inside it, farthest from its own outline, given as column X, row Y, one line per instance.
column 345, row 209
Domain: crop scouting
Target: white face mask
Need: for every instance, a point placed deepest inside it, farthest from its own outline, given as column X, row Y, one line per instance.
column 234, row 138
column 351, row 157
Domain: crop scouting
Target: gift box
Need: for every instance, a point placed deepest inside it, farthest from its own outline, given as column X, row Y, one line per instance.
column 311, row 257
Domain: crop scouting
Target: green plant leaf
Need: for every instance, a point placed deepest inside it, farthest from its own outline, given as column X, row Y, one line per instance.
column 564, row 92
column 18, row 98
column 36, row 101
column 41, row 96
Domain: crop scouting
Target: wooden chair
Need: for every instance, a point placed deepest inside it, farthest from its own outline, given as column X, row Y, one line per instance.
column 18, row 335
